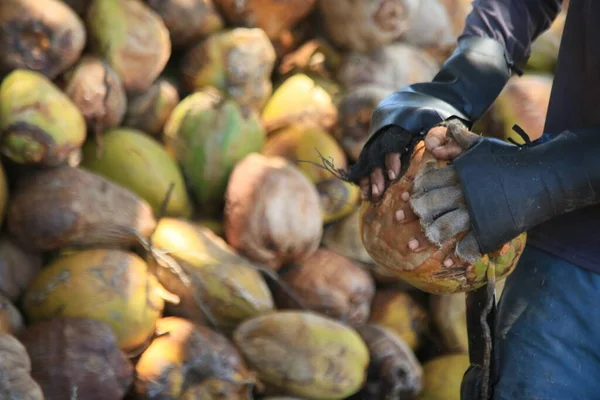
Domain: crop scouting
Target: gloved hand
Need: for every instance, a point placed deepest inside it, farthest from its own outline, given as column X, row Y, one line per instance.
column 464, row 88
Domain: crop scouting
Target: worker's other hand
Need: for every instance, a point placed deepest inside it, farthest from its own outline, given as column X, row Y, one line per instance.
column 437, row 197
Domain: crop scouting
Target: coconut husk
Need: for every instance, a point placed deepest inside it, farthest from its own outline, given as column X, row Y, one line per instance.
column 304, row 354
column 16, row 381
column 18, row 267
column 272, row 214
column 77, row 357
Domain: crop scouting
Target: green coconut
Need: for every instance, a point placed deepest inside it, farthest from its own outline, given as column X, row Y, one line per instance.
column 442, row 377
column 132, row 37
column 208, row 134
column 39, row 123
column 238, row 61
column 138, row 162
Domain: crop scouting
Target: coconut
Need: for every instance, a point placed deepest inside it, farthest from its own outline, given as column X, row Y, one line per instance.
column 399, row 312
column 389, row 67
column 304, row 354
column 523, row 101
column 18, row 267
column 437, row 23
column 77, row 358
column 150, row 110
column 70, row 207
column 45, row 36
column 299, row 99
column 133, row 39
column 338, row 199
column 272, row 16
column 16, row 381
column 187, row 361
column 141, row 164
column 208, row 134
column 304, row 146
column 238, row 61
column 330, row 284
column 355, row 111
column 218, row 280
column 39, row 123
column 394, row 370
column 272, row 211
column 98, row 93
column 11, row 320
column 386, row 241
column 373, row 23
column 188, row 21
column 544, row 50
column 442, row 377
column 316, row 57
column 111, row 286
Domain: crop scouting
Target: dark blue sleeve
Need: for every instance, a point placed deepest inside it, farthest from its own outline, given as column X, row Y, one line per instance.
column 515, row 23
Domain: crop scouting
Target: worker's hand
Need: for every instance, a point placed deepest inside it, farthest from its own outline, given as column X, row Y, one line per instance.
column 437, row 197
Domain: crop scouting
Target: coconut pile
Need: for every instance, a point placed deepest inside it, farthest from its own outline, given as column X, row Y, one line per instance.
column 169, row 230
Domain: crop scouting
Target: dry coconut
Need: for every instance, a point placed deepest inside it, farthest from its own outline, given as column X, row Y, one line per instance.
column 97, row 91
column 272, row 16
column 149, row 111
column 18, row 267
column 389, row 67
column 238, row 61
column 394, row 370
column 77, row 358
column 272, row 211
column 70, row 207
column 363, row 25
column 188, row 21
column 329, row 284
column 133, row 39
column 45, row 36
column 304, row 354
column 15, row 380
column 112, row 286
column 187, row 361
column 385, row 238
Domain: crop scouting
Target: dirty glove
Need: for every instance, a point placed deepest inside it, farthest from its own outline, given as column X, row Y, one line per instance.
column 507, row 189
column 464, row 88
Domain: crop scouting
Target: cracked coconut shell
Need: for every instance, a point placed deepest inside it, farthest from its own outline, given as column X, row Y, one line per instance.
column 97, row 91
column 149, row 111
column 386, row 241
column 272, row 211
column 237, row 61
column 188, row 361
column 40, row 124
column 273, row 16
column 15, row 380
column 188, row 21
column 304, row 354
column 363, row 25
column 132, row 38
column 215, row 279
column 394, row 370
column 208, row 133
column 18, row 267
column 141, row 164
column 330, row 284
column 45, row 36
column 77, row 358
column 111, row 286
column 70, row 207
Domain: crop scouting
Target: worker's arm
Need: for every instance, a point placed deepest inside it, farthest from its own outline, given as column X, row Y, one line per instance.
column 498, row 34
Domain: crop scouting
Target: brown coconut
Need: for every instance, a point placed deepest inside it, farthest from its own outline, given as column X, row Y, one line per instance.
column 330, row 284
column 45, row 36
column 18, row 267
column 363, row 25
column 272, row 211
column 15, row 380
column 77, row 358
column 386, row 239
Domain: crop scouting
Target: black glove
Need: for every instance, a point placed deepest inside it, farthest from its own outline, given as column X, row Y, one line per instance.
column 464, row 88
